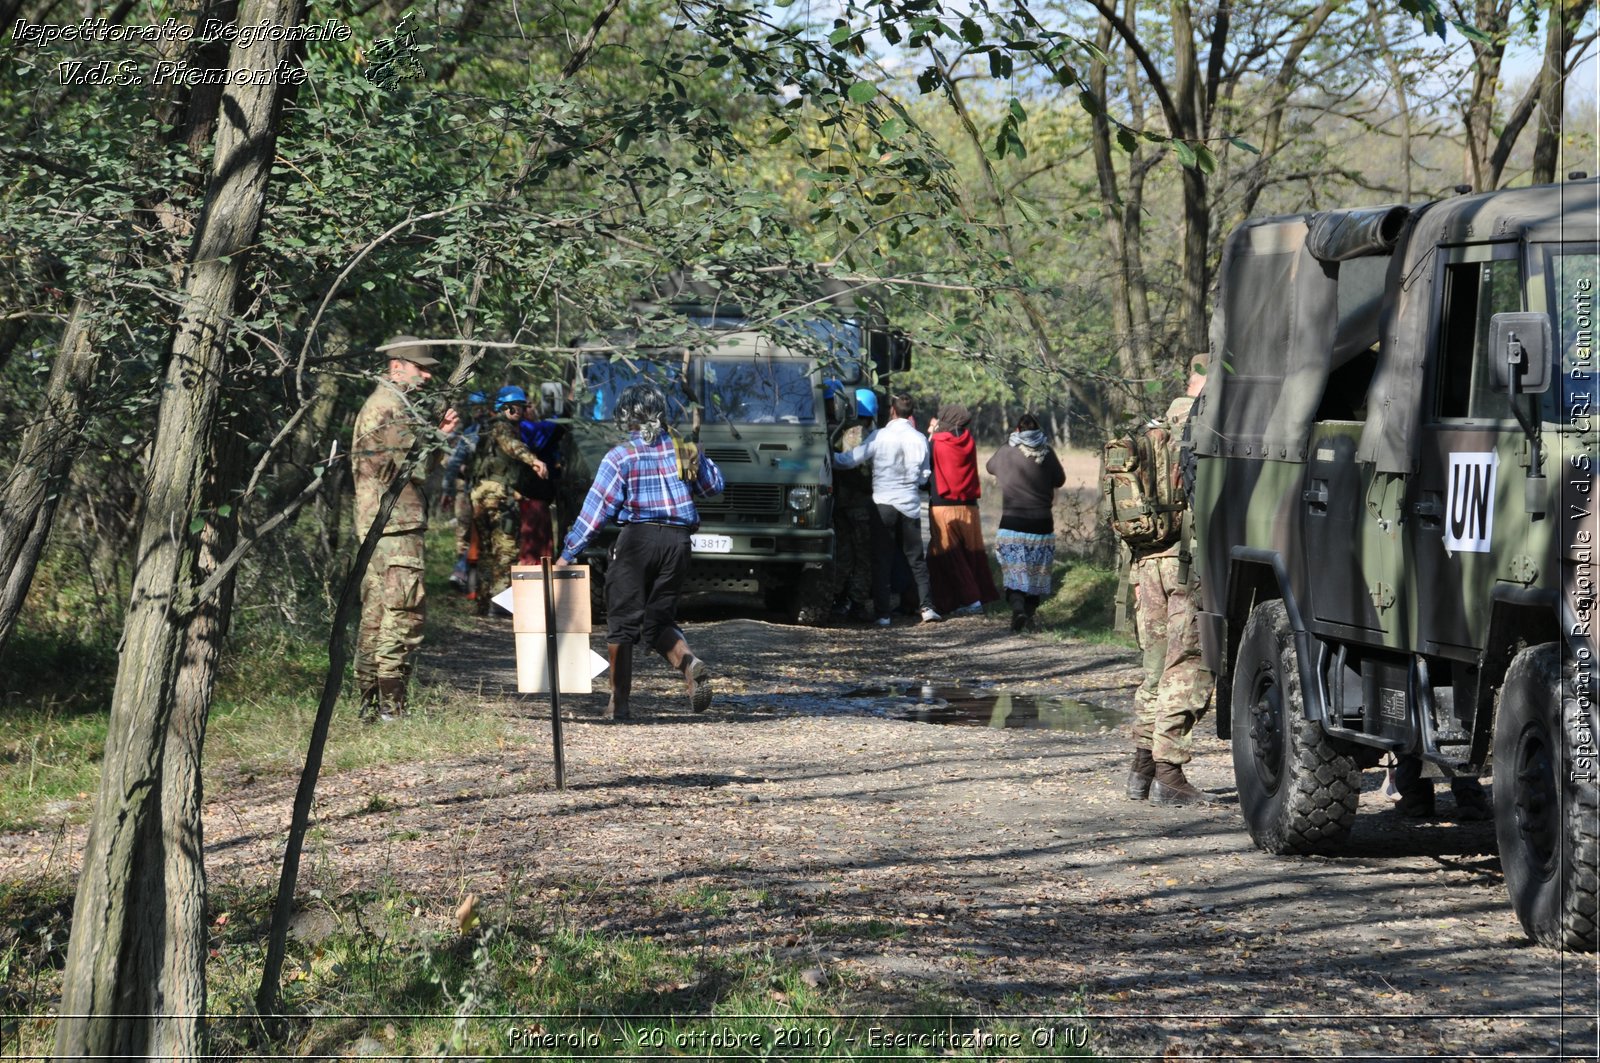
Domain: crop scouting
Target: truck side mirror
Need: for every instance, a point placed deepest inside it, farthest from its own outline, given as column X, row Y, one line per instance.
column 890, row 351
column 1519, row 350
column 553, row 399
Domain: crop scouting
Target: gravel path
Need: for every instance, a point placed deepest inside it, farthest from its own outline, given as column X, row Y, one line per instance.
column 901, row 859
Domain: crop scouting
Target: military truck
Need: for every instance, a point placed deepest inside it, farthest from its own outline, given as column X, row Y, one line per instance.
column 758, row 408
column 1394, row 508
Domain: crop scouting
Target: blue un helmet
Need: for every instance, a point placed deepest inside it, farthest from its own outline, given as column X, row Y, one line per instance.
column 510, row 396
column 477, row 398
column 866, row 403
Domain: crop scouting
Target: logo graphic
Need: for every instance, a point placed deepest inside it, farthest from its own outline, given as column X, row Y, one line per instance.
column 1469, row 507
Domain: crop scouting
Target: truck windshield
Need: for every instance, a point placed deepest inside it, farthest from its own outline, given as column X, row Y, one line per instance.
column 760, row 390
column 1572, row 276
column 604, row 380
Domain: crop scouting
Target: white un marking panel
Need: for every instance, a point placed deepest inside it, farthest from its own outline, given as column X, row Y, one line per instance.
column 1469, row 508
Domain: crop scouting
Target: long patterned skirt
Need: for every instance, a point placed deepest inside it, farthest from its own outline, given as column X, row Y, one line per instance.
column 1025, row 561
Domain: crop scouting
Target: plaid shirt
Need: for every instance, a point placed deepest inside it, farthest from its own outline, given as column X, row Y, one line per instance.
column 638, row 483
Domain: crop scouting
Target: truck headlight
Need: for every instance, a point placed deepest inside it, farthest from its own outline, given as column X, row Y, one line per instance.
column 800, row 498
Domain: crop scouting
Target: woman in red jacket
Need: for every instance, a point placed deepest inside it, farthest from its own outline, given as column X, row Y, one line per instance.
column 958, row 567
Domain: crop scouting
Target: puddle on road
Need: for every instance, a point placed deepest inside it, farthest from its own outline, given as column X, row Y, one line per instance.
column 979, row 707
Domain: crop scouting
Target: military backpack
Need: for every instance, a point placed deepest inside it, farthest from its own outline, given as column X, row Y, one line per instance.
column 1141, row 475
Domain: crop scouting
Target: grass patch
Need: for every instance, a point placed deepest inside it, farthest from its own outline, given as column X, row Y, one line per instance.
column 388, row 973
column 858, row 929
column 58, row 687
column 1084, row 605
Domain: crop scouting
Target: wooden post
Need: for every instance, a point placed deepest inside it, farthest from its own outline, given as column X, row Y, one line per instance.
column 555, row 677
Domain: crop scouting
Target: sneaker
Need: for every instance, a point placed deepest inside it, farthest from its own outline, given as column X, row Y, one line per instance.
column 930, row 617
column 882, row 621
column 970, row 610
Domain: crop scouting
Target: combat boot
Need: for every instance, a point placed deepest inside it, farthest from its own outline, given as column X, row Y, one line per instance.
column 696, row 676
column 1170, row 787
column 391, row 697
column 369, row 701
column 1141, row 775
column 620, row 655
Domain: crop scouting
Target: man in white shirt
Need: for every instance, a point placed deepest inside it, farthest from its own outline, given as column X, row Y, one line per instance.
column 899, row 457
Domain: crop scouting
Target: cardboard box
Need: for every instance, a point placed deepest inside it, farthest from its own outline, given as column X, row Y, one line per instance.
column 573, row 657
column 572, row 598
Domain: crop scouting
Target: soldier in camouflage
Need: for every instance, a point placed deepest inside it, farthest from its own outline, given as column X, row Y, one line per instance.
column 1176, row 684
column 392, row 596
column 503, row 463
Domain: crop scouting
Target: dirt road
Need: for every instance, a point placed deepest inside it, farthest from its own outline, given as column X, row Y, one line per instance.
column 912, row 862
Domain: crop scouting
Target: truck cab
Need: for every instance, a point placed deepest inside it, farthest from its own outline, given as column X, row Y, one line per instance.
column 759, row 408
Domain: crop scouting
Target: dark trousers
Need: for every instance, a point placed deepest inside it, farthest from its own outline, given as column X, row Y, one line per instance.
column 534, row 537
column 643, row 580
column 894, row 532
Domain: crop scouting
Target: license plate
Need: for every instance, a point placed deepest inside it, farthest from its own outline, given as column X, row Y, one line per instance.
column 711, row 544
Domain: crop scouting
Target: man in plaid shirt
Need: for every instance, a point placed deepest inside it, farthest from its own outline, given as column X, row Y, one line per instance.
column 649, row 490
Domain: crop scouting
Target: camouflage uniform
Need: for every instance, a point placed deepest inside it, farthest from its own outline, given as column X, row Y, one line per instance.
column 852, row 523
column 392, row 597
column 1176, row 684
column 503, row 459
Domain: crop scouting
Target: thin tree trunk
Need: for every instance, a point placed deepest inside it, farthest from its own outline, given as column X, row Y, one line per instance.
column 1402, row 98
column 267, row 993
column 181, row 986
column 39, row 476
column 1129, row 362
column 1036, row 320
column 122, row 915
column 1565, row 16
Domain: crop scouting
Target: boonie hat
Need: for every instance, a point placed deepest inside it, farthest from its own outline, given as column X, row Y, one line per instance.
column 415, row 351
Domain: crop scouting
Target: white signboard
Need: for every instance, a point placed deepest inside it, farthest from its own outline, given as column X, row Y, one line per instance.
column 1469, row 504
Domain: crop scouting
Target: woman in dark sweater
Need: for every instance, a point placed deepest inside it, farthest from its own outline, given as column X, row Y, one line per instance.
column 1028, row 473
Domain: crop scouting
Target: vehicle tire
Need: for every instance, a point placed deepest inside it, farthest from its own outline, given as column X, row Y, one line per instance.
column 811, row 596
column 1298, row 788
column 1545, row 820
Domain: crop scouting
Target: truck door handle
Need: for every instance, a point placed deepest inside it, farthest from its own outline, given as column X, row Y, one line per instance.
column 1429, row 508
column 1317, row 496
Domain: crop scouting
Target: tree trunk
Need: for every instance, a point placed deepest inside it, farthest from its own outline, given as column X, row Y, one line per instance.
column 1565, row 16
column 1121, row 224
column 123, row 917
column 182, row 985
column 37, row 481
column 39, row 476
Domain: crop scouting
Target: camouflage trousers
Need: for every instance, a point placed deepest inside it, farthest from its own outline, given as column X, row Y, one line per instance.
column 392, row 606
column 496, row 516
column 1176, row 684
column 852, row 530
column 463, row 516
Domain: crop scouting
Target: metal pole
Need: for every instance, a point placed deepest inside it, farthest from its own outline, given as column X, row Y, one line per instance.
column 551, row 647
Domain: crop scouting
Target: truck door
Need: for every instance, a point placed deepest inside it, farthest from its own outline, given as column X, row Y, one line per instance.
column 1459, row 512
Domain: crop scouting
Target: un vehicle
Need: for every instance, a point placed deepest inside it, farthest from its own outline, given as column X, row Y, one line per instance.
column 758, row 408
column 1394, row 510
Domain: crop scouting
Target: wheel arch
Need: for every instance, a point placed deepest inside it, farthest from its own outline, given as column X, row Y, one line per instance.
column 1257, row 575
column 1519, row 617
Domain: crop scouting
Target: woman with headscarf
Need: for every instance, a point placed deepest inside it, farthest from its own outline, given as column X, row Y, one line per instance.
column 1028, row 473
column 958, row 566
